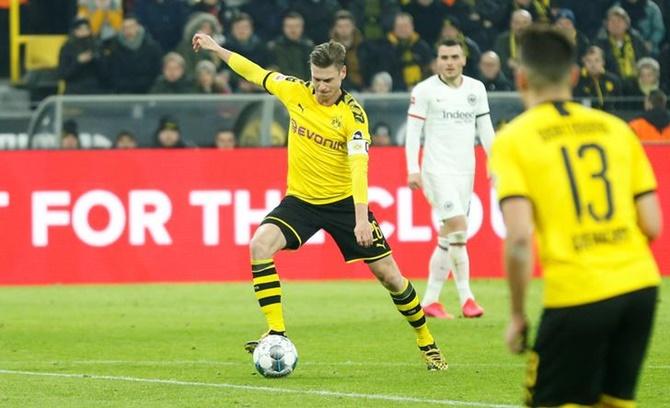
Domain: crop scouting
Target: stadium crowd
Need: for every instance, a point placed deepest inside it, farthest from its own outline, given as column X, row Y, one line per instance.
column 144, row 46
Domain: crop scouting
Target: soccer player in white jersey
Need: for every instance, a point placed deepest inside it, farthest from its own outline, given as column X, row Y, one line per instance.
column 451, row 109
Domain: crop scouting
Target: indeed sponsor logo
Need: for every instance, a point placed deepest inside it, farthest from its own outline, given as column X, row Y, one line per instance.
column 459, row 115
column 316, row 138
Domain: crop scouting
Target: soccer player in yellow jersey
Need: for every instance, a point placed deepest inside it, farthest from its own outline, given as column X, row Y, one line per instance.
column 327, row 186
column 579, row 180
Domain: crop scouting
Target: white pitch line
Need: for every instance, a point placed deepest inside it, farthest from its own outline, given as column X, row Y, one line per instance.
column 322, row 393
column 241, row 363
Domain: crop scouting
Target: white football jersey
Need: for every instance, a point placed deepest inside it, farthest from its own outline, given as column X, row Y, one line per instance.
column 449, row 129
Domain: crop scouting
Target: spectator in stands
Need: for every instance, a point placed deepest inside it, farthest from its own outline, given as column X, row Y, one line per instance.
column 451, row 30
column 565, row 20
column 382, row 83
column 645, row 17
column 207, row 81
column 132, row 59
column 199, row 22
column 70, row 136
column 491, row 75
column 506, row 45
column 79, row 60
column 654, row 124
column 428, row 17
column 484, row 19
column 244, row 41
column 213, row 7
column 621, row 45
column 538, row 10
column 464, row 12
column 267, row 15
column 648, row 78
column 588, row 13
column 125, row 140
column 168, row 134
column 595, row 82
column 164, row 19
column 320, row 14
column 105, row 16
column 381, row 134
column 664, row 61
column 359, row 53
column 225, row 139
column 374, row 17
column 174, row 79
column 290, row 51
column 405, row 55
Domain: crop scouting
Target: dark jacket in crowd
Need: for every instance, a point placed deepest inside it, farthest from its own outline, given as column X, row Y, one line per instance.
column 80, row 78
column 164, row 19
column 472, row 55
column 599, row 90
column 427, row 19
column 408, row 61
column 499, row 84
column 291, row 57
column 639, row 49
column 182, row 86
column 318, row 15
column 254, row 49
column 133, row 66
column 503, row 47
column 374, row 17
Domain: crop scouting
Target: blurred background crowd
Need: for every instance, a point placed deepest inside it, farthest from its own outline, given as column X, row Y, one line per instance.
column 144, row 47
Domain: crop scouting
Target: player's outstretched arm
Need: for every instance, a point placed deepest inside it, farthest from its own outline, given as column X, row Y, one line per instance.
column 241, row 65
column 202, row 41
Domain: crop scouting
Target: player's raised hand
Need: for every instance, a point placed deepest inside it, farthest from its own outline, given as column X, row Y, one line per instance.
column 414, row 181
column 516, row 336
column 202, row 41
column 363, row 233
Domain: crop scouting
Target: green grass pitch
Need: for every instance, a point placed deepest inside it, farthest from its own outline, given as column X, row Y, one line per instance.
column 181, row 346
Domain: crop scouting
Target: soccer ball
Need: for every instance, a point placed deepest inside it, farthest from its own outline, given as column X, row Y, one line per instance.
column 275, row 356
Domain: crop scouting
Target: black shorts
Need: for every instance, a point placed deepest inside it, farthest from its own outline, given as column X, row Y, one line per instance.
column 299, row 220
column 587, row 352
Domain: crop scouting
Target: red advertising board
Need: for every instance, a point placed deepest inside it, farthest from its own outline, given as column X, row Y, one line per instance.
column 188, row 215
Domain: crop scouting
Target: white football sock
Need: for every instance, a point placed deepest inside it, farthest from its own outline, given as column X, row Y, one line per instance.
column 460, row 263
column 438, row 272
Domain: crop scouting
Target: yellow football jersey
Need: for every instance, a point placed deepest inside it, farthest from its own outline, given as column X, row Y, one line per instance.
column 327, row 145
column 319, row 140
column 582, row 170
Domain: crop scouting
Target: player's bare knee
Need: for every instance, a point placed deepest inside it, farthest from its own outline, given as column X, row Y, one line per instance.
column 454, row 224
column 265, row 242
column 388, row 274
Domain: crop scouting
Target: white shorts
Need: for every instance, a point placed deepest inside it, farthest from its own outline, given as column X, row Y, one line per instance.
column 448, row 194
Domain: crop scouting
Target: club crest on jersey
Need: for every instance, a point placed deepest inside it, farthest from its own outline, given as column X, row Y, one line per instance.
column 336, row 122
column 472, row 99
